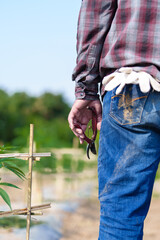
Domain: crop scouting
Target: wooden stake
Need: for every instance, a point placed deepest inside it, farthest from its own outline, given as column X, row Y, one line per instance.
column 24, row 211
column 30, row 157
column 29, row 181
column 25, row 155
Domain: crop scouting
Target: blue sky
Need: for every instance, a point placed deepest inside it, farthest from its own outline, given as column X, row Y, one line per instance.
column 38, row 46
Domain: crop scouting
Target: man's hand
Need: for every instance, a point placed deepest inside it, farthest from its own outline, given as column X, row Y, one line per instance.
column 80, row 115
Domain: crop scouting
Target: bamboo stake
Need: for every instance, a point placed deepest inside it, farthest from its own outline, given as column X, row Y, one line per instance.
column 24, row 155
column 24, row 211
column 29, row 210
column 30, row 181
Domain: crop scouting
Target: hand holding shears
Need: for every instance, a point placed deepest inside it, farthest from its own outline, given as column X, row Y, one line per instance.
column 91, row 141
column 83, row 111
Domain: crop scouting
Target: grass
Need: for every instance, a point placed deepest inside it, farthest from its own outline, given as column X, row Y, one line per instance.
column 158, row 174
column 16, row 222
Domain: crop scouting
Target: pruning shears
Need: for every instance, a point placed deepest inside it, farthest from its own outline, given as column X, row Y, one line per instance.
column 91, row 141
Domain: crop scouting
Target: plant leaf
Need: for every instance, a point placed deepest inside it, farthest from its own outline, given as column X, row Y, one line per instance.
column 3, row 160
column 7, row 148
column 15, row 158
column 9, row 159
column 10, row 164
column 16, row 172
column 9, row 185
column 14, row 169
column 5, row 197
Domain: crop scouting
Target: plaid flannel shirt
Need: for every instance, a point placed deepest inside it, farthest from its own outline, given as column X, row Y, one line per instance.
column 113, row 34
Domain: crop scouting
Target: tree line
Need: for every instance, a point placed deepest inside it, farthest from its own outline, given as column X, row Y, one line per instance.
column 48, row 112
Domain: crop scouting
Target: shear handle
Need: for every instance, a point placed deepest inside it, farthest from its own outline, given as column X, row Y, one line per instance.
column 88, row 140
column 94, row 127
column 94, row 123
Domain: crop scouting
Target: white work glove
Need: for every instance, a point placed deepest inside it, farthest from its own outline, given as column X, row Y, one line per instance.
column 128, row 76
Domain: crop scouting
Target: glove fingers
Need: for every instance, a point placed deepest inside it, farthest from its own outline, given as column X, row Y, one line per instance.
column 108, row 78
column 132, row 78
column 155, row 85
column 111, row 85
column 144, row 82
column 114, row 83
column 127, row 70
column 127, row 76
column 120, row 88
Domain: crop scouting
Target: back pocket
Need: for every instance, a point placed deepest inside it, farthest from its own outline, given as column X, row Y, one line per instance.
column 127, row 107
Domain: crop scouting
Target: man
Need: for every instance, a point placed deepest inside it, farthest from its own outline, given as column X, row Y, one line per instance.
column 118, row 46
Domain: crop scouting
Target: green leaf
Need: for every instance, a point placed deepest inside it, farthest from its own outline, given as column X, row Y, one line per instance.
column 9, row 185
column 5, row 197
column 3, row 160
column 16, row 172
column 14, row 169
column 17, row 159
column 10, row 164
column 2, row 148
column 10, row 159
column 7, row 148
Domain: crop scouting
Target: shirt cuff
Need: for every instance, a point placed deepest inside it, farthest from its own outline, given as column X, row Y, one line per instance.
column 86, row 92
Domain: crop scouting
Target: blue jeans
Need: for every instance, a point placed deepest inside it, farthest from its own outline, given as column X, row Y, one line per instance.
column 129, row 154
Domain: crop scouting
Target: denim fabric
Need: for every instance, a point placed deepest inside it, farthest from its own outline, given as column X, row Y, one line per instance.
column 129, row 155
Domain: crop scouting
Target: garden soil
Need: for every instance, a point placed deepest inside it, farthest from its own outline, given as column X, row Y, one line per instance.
column 84, row 223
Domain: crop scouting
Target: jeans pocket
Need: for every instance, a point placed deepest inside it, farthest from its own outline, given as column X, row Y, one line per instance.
column 127, row 107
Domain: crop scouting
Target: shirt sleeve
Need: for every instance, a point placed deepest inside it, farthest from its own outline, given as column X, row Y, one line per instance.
column 94, row 22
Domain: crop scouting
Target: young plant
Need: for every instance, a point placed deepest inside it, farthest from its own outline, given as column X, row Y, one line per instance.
column 9, row 164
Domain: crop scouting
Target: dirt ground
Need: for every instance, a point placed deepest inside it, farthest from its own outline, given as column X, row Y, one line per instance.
column 84, row 223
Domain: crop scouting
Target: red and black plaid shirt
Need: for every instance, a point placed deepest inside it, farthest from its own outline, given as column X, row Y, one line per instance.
column 113, row 34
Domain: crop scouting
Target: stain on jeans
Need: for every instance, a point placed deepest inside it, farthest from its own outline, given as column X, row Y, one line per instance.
column 127, row 108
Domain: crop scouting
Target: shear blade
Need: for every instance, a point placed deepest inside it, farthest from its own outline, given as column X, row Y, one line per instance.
column 88, row 148
column 93, row 148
